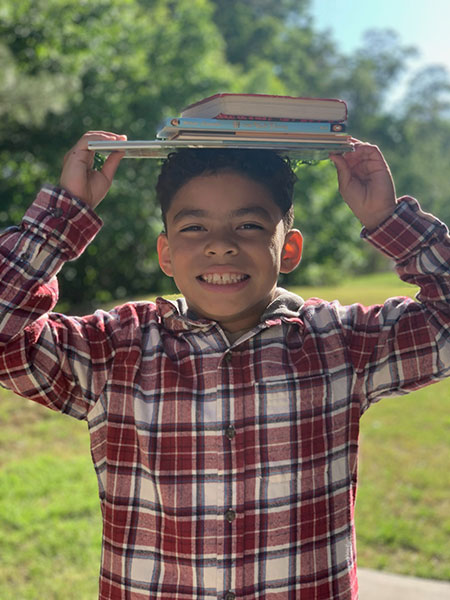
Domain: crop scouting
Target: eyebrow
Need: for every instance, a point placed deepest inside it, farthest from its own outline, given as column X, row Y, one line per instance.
column 256, row 210
column 189, row 212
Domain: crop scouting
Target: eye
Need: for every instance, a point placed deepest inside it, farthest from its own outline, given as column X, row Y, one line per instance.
column 250, row 226
column 192, row 228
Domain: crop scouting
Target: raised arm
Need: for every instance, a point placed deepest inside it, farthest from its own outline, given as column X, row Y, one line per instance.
column 43, row 355
column 403, row 344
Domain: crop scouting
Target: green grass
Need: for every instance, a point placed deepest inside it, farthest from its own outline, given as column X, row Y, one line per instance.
column 50, row 524
column 403, row 505
column 369, row 289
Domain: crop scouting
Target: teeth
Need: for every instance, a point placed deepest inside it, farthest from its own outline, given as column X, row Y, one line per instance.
column 222, row 278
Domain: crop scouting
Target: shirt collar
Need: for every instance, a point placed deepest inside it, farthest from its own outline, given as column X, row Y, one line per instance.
column 176, row 315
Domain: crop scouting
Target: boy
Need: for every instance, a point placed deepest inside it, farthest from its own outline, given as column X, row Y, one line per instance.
column 224, row 427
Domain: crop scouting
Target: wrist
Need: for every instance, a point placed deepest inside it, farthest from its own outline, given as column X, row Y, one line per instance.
column 375, row 219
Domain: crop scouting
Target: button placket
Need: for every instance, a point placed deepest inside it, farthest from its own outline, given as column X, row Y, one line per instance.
column 229, row 431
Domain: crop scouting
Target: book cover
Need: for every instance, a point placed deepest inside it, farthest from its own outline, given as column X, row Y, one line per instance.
column 267, row 106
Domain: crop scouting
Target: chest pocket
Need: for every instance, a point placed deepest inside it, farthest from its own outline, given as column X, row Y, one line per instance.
column 294, row 422
column 304, row 467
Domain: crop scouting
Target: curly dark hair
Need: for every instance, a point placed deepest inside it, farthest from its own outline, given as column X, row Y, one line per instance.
column 263, row 166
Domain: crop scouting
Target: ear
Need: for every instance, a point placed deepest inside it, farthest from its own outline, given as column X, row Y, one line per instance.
column 292, row 251
column 165, row 262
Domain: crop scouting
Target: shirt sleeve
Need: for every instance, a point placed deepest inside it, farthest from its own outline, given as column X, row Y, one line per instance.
column 59, row 361
column 404, row 344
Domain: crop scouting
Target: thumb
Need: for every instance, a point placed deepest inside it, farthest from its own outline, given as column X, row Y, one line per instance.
column 111, row 164
column 343, row 170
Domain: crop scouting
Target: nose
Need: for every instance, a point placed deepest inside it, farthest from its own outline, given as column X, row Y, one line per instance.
column 221, row 245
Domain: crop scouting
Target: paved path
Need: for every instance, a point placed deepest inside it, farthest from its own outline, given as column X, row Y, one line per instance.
column 378, row 585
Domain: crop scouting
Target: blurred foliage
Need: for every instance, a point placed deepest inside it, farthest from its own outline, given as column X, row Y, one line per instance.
column 67, row 66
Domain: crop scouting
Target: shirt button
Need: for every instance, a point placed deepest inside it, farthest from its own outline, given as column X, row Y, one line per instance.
column 56, row 212
column 230, row 432
column 228, row 357
column 230, row 515
column 230, row 596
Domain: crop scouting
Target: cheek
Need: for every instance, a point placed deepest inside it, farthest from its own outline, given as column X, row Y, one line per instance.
column 276, row 248
column 181, row 251
column 184, row 259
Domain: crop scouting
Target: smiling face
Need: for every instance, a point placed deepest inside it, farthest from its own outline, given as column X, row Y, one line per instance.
column 225, row 247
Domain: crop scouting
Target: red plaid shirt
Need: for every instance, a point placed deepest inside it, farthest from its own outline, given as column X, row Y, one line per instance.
column 224, row 471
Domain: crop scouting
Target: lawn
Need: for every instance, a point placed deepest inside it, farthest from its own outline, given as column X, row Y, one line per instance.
column 50, row 525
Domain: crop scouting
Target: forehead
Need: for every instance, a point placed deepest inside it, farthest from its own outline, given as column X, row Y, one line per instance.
column 224, row 194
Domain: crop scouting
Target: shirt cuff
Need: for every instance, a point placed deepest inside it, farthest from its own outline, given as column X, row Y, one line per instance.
column 405, row 231
column 63, row 220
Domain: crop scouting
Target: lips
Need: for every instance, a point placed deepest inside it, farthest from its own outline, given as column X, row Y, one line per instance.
column 223, row 278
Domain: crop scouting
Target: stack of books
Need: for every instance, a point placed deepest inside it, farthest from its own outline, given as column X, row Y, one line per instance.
column 264, row 121
column 302, row 128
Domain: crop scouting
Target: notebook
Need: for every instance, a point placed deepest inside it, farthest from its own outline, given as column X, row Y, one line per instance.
column 305, row 151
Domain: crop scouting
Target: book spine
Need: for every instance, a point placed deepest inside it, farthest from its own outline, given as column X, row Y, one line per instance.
column 228, row 117
column 268, row 137
column 256, row 125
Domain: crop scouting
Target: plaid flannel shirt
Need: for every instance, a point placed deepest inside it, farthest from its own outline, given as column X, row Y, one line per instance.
column 224, row 470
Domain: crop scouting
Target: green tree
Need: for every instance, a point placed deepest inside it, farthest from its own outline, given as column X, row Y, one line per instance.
column 119, row 65
column 67, row 66
column 421, row 147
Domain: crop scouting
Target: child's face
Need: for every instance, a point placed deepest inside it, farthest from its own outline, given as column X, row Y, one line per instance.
column 225, row 247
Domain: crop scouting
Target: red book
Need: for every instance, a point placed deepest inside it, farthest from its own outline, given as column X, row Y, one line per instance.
column 267, row 107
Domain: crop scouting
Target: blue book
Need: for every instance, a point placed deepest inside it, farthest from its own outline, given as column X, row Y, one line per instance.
column 173, row 126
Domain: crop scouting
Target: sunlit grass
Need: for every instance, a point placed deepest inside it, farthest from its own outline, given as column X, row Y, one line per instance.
column 403, row 503
column 50, row 525
column 370, row 289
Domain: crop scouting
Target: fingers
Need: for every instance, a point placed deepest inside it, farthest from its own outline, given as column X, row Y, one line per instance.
column 112, row 162
column 80, row 150
column 97, row 136
column 78, row 177
column 342, row 168
column 366, row 160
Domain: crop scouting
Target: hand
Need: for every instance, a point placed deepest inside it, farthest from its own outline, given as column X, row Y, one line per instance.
column 366, row 184
column 78, row 176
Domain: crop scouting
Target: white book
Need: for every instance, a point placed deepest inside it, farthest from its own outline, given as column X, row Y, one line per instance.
column 161, row 148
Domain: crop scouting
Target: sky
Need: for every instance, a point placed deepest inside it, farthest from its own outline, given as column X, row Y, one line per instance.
column 423, row 24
